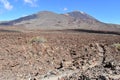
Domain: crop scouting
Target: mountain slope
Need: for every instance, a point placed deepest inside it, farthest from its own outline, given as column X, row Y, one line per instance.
column 71, row 20
column 85, row 21
column 44, row 19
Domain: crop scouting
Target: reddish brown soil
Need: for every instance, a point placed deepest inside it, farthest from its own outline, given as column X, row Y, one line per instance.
column 23, row 58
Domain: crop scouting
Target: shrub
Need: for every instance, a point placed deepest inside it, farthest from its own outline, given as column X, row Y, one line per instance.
column 117, row 45
column 38, row 39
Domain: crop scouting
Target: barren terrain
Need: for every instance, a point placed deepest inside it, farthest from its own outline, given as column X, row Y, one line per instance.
column 59, row 55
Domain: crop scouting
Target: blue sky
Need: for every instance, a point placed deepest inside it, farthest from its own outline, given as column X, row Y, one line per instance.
column 103, row 10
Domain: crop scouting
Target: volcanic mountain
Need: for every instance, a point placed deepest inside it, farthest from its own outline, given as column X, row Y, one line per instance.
column 72, row 20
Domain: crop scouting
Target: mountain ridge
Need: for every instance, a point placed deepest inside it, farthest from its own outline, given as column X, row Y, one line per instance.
column 70, row 20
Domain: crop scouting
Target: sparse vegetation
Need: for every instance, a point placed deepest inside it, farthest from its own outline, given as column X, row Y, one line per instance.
column 117, row 45
column 38, row 39
column 59, row 55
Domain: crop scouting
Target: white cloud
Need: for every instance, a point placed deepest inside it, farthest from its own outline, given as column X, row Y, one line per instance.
column 32, row 2
column 6, row 4
column 65, row 9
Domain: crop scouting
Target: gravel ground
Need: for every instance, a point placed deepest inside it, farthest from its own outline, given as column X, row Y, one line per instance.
column 59, row 55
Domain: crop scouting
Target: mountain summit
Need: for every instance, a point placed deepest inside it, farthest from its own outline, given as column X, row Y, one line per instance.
column 80, row 15
column 70, row 20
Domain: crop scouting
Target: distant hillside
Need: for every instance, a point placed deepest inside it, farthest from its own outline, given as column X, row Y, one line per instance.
column 71, row 20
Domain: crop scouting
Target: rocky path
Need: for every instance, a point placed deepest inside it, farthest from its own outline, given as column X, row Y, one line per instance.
column 60, row 75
